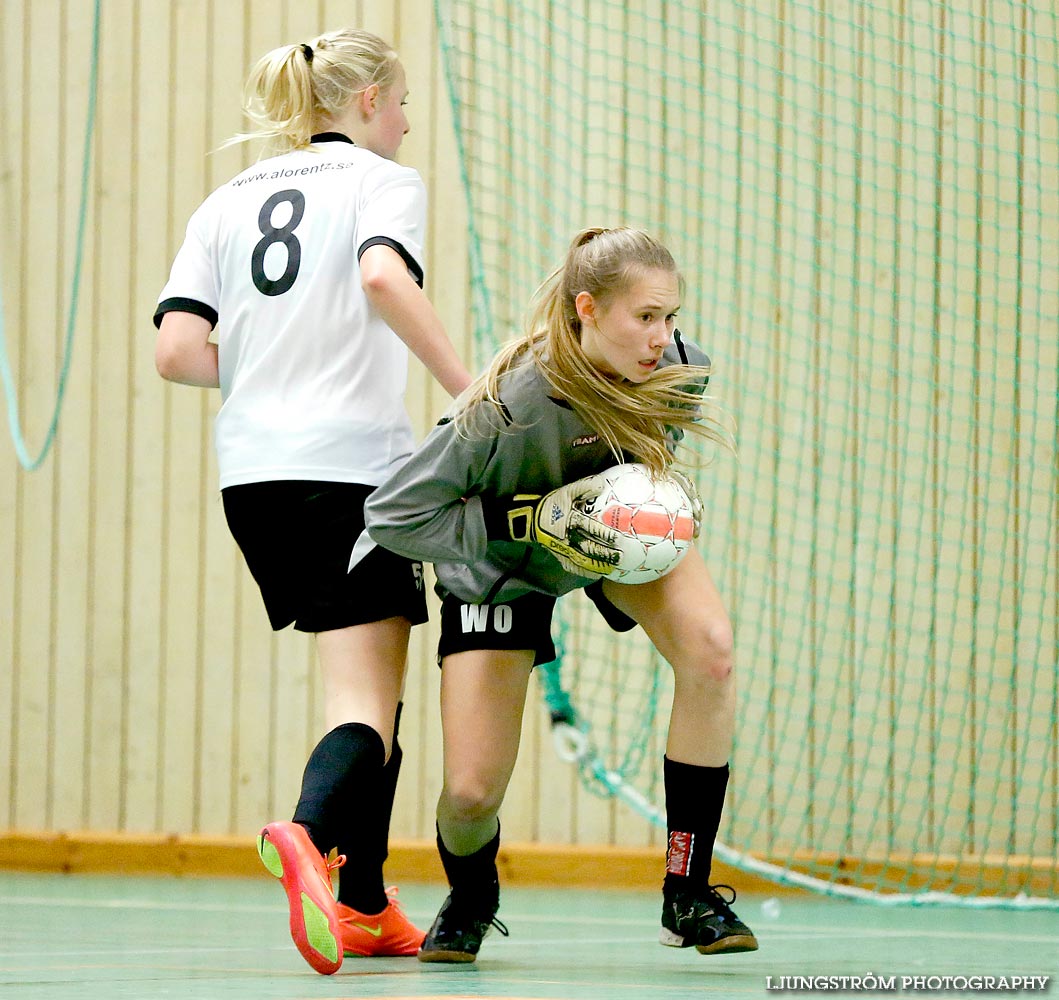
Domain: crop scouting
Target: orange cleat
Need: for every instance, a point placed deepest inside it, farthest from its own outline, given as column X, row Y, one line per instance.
column 288, row 853
column 386, row 933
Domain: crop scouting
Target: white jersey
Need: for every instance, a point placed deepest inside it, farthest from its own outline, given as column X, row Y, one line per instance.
column 312, row 380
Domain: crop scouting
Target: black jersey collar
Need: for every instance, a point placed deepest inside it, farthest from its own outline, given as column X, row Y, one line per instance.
column 332, row 137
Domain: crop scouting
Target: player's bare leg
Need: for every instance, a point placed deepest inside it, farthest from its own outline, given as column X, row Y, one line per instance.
column 363, row 669
column 684, row 617
column 483, row 694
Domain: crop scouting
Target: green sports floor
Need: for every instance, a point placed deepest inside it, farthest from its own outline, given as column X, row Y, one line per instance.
column 90, row 936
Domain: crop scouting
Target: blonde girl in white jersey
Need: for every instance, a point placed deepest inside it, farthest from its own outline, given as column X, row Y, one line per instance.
column 298, row 292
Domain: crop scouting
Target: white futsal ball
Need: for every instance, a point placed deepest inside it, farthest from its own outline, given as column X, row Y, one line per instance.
column 654, row 516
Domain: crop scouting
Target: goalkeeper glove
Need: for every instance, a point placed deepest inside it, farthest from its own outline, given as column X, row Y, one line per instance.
column 557, row 521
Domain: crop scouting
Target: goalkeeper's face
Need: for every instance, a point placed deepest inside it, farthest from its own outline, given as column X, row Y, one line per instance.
column 625, row 334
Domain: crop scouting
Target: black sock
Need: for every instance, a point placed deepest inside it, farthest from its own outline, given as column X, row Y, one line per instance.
column 694, row 803
column 388, row 786
column 340, row 799
column 473, row 877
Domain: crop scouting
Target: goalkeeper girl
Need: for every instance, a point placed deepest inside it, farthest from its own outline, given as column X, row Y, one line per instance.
column 603, row 375
column 310, row 264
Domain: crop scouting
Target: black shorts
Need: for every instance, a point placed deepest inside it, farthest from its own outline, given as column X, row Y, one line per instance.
column 522, row 623
column 297, row 536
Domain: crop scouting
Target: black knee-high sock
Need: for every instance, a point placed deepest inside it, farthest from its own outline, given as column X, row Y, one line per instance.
column 388, row 786
column 339, row 806
column 694, row 803
column 473, row 878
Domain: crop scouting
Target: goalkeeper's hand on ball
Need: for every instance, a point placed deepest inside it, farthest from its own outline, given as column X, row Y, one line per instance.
column 557, row 521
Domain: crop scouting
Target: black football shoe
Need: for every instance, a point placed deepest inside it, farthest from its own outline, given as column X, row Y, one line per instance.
column 703, row 919
column 457, row 931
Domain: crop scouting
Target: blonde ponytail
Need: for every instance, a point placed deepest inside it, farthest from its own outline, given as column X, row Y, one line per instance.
column 295, row 91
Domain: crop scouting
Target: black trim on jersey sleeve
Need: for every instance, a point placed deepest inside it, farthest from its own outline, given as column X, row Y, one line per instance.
column 385, row 241
column 188, row 306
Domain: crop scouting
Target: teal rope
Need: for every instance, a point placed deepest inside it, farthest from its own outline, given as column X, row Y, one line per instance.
column 482, row 310
column 5, row 366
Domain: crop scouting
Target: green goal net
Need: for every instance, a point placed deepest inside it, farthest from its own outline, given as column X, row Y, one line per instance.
column 864, row 200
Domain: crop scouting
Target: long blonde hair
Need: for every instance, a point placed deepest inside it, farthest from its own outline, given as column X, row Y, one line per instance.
column 632, row 419
column 295, row 90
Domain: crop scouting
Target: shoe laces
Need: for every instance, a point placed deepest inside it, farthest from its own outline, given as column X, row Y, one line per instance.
column 465, row 908
column 332, row 863
column 391, row 896
column 717, row 902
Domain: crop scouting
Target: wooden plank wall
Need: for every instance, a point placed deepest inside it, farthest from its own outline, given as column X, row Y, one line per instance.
column 140, row 686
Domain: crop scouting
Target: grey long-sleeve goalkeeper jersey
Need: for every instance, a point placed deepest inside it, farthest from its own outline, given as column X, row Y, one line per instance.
column 431, row 508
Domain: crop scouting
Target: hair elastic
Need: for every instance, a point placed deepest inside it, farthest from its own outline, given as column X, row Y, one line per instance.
column 588, row 236
column 307, row 51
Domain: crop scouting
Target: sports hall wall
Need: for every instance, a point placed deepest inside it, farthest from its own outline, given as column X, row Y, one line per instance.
column 140, row 688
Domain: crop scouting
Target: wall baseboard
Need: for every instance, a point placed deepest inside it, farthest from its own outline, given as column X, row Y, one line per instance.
column 409, row 861
column 581, row 866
